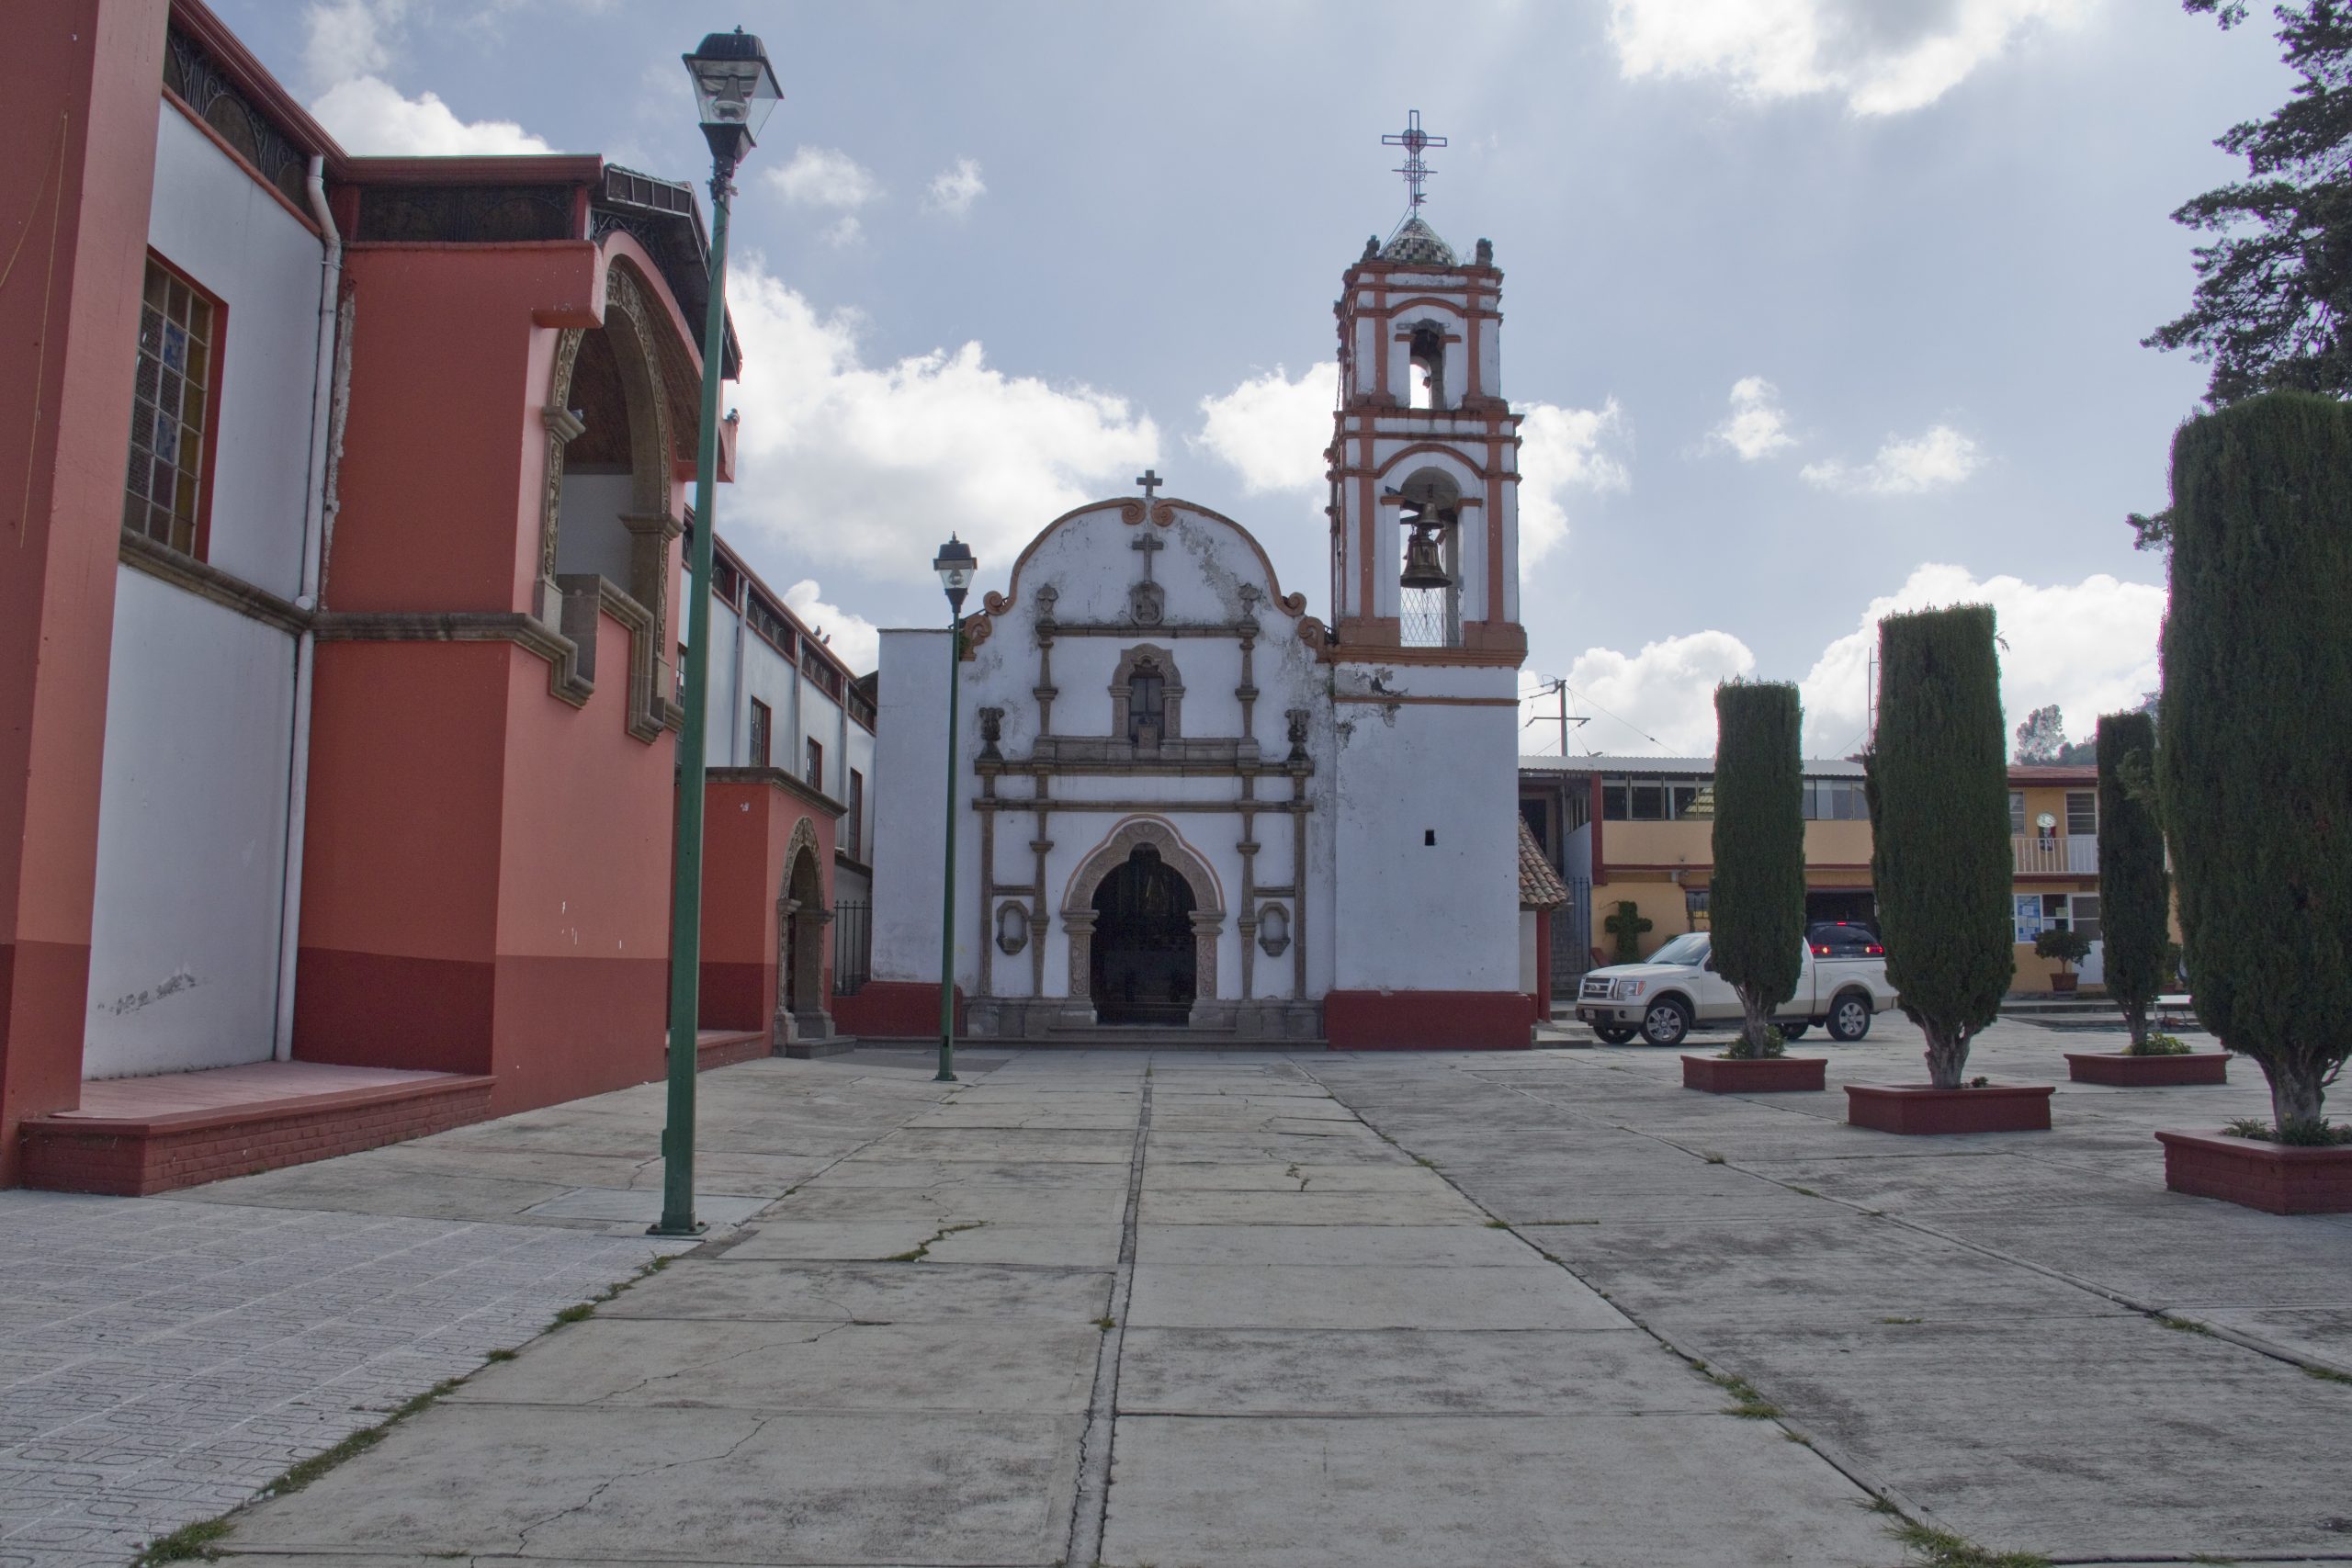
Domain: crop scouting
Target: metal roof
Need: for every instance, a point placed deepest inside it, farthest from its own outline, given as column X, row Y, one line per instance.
column 1672, row 767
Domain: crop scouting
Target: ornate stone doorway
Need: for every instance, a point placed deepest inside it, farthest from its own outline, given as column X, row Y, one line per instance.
column 800, row 999
column 1144, row 950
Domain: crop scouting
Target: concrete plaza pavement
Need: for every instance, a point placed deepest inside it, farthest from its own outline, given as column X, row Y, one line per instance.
column 1165, row 1308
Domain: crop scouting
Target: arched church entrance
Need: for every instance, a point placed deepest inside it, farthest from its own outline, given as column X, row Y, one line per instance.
column 800, row 940
column 1144, row 952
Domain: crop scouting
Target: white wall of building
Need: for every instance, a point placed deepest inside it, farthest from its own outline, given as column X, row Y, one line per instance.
column 1425, row 916
column 910, row 796
column 210, row 220
column 191, row 835
column 185, row 932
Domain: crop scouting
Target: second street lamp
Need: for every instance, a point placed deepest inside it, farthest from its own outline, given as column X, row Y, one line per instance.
column 736, row 89
column 956, row 566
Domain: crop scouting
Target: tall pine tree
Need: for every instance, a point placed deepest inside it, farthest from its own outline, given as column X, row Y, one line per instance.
column 2254, row 759
column 1756, row 902
column 2273, row 305
column 1939, row 828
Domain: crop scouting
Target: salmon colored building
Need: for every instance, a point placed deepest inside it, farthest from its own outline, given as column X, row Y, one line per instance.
column 339, row 634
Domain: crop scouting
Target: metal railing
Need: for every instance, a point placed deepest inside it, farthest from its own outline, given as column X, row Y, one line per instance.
column 2074, row 854
column 853, row 946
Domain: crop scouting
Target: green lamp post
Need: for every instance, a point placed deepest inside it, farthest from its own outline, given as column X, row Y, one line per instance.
column 737, row 89
column 954, row 565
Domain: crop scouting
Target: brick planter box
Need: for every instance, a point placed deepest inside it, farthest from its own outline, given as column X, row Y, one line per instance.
column 2278, row 1179
column 1917, row 1109
column 2148, row 1072
column 1771, row 1075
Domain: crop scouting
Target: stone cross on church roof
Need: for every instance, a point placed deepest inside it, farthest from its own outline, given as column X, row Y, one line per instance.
column 1151, row 481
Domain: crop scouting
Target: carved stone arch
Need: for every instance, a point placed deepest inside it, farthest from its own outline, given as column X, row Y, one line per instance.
column 1208, row 899
column 1123, row 691
column 801, row 920
column 630, row 330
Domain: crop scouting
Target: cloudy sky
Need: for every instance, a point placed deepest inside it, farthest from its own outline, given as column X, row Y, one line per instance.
column 1817, row 307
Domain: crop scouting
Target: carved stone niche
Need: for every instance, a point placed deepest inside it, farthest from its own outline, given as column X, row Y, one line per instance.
column 993, row 731
column 1149, row 659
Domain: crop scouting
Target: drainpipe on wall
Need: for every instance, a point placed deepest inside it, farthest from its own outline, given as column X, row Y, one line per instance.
column 739, row 753
column 317, row 517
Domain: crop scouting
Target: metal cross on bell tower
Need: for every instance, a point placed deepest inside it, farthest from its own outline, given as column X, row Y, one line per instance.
column 1413, row 140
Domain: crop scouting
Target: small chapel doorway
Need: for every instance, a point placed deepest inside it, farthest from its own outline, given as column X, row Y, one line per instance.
column 804, row 933
column 1144, row 952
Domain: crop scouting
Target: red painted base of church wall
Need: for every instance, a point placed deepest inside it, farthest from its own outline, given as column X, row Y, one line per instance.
column 547, row 1029
column 737, row 995
column 382, row 1009
column 1428, row 1021
column 894, row 1009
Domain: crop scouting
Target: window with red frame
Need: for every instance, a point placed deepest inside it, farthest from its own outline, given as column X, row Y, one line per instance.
column 166, row 486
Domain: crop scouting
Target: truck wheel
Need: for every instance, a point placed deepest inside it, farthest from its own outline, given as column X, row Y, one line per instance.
column 1849, row 1018
column 1614, row 1033
column 1666, row 1022
column 1793, row 1031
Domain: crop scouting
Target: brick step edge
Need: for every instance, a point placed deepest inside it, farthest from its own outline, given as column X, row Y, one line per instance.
column 138, row 1156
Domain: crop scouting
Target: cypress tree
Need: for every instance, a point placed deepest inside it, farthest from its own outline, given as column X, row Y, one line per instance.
column 1939, row 794
column 2255, row 759
column 1756, row 903
column 2134, row 888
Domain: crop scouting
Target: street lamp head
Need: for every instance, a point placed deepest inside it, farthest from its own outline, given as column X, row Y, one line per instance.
column 736, row 89
column 956, row 566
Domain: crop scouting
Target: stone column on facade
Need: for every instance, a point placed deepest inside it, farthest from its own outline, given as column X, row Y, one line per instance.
column 1080, row 925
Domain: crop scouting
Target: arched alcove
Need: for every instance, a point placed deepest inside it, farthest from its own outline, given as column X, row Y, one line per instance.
column 1114, row 862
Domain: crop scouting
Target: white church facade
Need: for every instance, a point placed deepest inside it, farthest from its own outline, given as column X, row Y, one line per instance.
column 1184, row 803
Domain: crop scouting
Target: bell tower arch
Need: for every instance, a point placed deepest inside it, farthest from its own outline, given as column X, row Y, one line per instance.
column 1424, row 457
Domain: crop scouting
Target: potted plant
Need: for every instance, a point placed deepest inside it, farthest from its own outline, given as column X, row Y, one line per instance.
column 1756, row 901
column 2135, row 906
column 2069, row 947
column 2253, row 777
column 1937, row 780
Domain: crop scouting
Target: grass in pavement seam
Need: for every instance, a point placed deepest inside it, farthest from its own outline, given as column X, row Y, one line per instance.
column 1940, row 1549
column 194, row 1542
column 922, row 1250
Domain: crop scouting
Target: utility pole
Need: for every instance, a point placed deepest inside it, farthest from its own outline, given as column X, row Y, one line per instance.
column 1558, row 688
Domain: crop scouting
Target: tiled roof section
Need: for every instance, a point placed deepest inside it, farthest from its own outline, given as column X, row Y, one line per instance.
column 1416, row 242
column 2023, row 774
column 1540, row 887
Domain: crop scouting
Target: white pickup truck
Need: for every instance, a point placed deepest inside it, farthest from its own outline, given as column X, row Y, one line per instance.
column 1677, row 990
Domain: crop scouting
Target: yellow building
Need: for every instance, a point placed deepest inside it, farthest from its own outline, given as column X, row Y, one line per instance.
column 1641, row 830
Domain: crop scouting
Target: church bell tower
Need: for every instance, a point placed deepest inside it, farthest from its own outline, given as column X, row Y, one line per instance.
column 1427, row 646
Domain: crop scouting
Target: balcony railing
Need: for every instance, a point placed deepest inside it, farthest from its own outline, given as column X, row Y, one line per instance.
column 2076, row 855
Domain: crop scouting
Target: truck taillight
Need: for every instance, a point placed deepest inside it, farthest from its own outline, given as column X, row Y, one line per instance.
column 1875, row 950
column 1821, row 952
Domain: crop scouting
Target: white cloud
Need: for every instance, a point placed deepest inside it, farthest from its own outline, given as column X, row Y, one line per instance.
column 953, row 190
column 1563, row 452
column 1757, row 427
column 850, row 635
column 843, row 232
column 1666, row 692
column 823, row 176
column 1274, row 430
column 344, row 39
column 841, row 460
column 2089, row 647
column 1943, row 457
column 372, row 117
column 346, row 45
column 1883, row 56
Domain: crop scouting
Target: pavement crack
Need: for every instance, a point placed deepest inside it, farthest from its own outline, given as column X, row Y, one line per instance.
column 1089, row 1512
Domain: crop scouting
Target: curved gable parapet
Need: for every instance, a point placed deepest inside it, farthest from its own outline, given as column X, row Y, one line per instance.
column 1134, row 513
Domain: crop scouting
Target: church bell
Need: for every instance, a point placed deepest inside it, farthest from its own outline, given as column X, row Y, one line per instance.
column 1423, row 569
